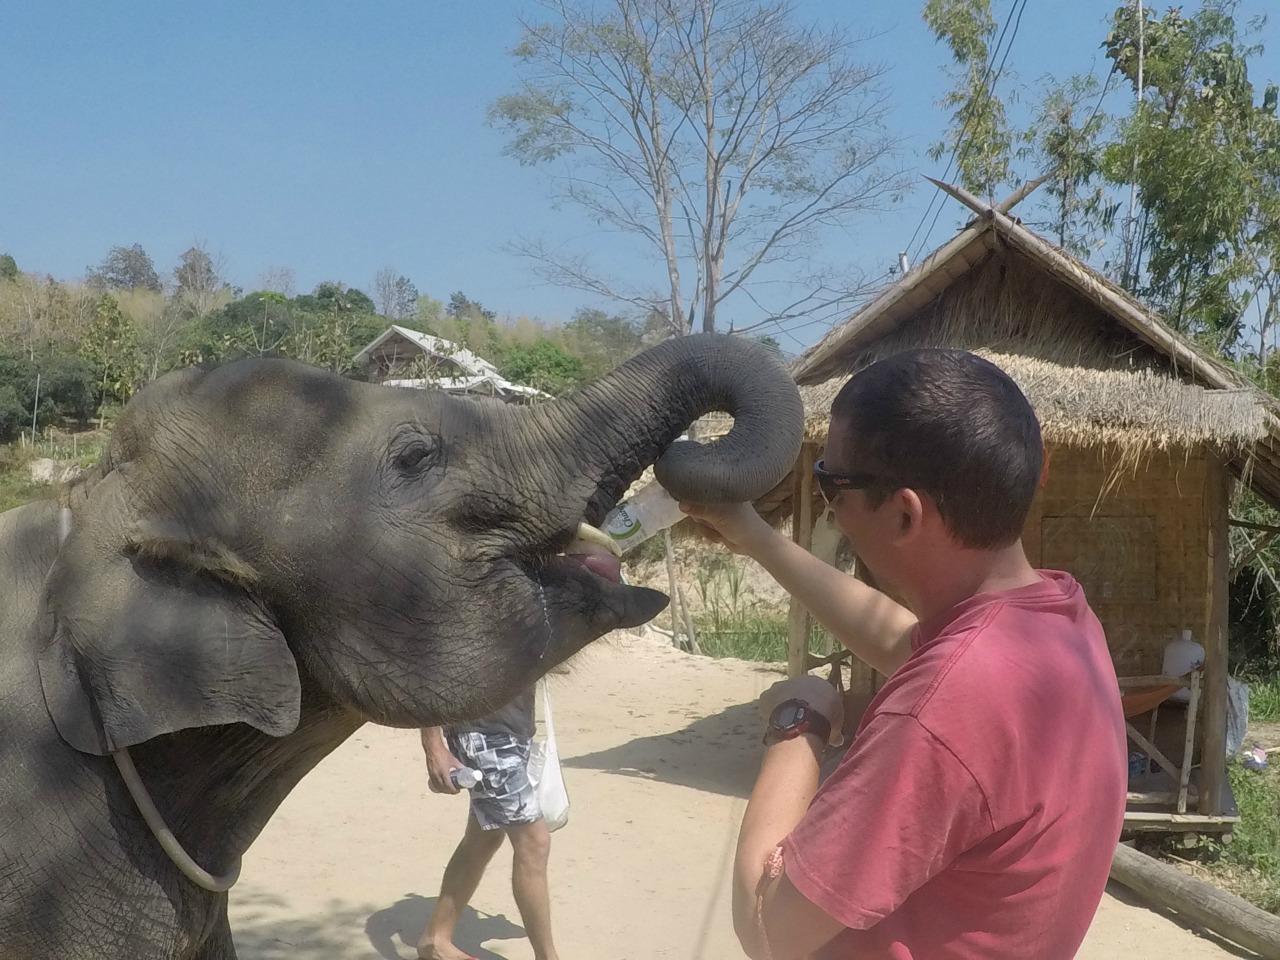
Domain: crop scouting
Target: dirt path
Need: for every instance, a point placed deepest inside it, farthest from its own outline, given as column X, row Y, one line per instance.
column 660, row 753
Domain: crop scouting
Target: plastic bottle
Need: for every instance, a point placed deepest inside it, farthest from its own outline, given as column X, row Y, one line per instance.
column 1180, row 657
column 650, row 511
column 464, row 778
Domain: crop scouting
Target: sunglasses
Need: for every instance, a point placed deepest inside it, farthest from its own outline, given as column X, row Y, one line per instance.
column 832, row 483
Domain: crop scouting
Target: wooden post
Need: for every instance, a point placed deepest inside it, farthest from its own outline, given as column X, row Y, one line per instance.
column 802, row 534
column 1223, row 913
column 826, row 544
column 1213, row 756
column 1189, row 744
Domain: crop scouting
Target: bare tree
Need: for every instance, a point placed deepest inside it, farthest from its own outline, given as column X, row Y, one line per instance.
column 384, row 289
column 199, row 285
column 721, row 133
column 278, row 280
column 395, row 294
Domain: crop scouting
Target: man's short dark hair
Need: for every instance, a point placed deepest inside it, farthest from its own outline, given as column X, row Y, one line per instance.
column 952, row 425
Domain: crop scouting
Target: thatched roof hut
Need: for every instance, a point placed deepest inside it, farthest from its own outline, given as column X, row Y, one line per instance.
column 1146, row 433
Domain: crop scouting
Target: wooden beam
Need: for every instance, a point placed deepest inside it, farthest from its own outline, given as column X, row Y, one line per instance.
column 963, row 195
column 1213, row 748
column 1024, row 191
column 1225, row 914
column 802, row 533
column 1152, row 680
column 1189, row 744
column 1264, row 541
column 1153, row 751
column 1250, row 525
column 1151, row 821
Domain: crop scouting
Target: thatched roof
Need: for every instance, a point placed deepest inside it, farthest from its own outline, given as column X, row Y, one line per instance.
column 1099, row 367
column 1138, row 411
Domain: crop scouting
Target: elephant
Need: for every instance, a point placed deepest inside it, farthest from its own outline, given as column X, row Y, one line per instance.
column 269, row 556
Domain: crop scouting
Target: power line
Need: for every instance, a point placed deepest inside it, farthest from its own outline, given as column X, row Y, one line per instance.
column 986, row 73
column 1018, row 7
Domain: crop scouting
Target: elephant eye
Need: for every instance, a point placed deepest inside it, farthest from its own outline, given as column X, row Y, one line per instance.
column 415, row 457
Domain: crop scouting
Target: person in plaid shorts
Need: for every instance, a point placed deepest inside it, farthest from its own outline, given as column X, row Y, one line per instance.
column 501, row 805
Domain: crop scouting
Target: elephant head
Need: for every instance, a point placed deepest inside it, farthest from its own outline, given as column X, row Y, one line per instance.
column 265, row 531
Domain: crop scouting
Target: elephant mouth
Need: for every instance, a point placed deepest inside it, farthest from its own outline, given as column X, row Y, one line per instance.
column 579, row 579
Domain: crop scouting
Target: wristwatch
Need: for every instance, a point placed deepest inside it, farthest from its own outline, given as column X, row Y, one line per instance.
column 792, row 718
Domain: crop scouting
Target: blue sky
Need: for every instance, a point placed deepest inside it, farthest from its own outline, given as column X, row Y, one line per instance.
column 337, row 138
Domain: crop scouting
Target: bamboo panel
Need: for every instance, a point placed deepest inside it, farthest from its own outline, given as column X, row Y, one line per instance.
column 1135, row 540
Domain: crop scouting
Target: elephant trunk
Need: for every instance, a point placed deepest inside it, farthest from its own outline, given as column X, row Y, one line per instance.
column 614, row 427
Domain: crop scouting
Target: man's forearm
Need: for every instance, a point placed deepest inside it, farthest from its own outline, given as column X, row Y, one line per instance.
column 869, row 624
column 432, row 739
column 786, row 785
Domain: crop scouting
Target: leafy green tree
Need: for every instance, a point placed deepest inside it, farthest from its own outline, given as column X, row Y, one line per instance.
column 8, row 268
column 65, row 386
column 543, row 365
column 460, row 307
column 125, row 268
column 1204, row 154
column 1065, row 138
column 12, row 417
column 68, row 387
column 110, row 345
column 723, row 136
column 979, row 135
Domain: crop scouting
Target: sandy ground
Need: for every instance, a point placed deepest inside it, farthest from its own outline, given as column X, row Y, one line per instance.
column 660, row 753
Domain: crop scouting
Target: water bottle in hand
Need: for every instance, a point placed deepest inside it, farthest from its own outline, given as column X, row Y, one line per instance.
column 650, row 511
column 464, row 778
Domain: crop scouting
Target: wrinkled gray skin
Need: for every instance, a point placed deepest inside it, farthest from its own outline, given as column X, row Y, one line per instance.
column 270, row 556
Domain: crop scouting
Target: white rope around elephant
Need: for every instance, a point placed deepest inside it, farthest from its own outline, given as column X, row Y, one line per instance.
column 146, row 806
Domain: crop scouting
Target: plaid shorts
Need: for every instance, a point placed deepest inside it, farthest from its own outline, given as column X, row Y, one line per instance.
column 505, row 797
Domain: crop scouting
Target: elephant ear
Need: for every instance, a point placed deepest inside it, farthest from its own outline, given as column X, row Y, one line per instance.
column 152, row 632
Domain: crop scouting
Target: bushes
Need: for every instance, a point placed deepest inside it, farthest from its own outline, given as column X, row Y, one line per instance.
column 67, row 385
column 12, row 415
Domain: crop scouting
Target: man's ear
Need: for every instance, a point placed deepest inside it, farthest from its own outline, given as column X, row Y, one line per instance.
column 150, row 633
column 911, row 509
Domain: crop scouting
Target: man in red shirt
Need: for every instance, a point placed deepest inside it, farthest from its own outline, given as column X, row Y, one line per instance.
column 975, row 814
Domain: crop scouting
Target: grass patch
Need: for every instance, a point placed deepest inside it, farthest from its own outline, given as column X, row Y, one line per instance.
column 1264, row 700
column 16, row 487
column 735, row 624
column 1249, row 866
column 15, row 490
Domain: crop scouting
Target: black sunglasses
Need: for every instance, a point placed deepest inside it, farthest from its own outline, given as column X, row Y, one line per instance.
column 832, row 483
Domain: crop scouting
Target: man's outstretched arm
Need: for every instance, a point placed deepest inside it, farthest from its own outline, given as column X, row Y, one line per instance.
column 869, row 624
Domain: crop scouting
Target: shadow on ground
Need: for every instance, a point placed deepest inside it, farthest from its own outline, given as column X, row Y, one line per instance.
column 719, row 754
column 403, row 923
column 346, row 932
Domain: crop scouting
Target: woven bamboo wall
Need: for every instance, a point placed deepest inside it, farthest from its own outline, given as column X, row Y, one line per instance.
column 1138, row 543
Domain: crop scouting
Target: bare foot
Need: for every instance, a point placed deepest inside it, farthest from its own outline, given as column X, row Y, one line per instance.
column 442, row 951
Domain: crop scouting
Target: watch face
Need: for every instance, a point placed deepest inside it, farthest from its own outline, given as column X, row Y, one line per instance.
column 789, row 714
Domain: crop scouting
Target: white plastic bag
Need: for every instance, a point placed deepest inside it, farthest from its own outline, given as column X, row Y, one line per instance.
column 544, row 770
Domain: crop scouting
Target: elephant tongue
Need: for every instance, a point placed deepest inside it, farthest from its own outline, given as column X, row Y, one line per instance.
column 595, row 558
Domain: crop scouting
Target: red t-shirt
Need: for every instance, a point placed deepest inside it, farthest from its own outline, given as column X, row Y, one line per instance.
column 976, row 812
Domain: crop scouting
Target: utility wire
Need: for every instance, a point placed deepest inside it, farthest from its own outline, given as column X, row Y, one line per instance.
column 1019, row 7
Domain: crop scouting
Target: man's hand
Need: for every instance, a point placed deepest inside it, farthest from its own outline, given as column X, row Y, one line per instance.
column 440, row 761
column 736, row 525
column 821, row 695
